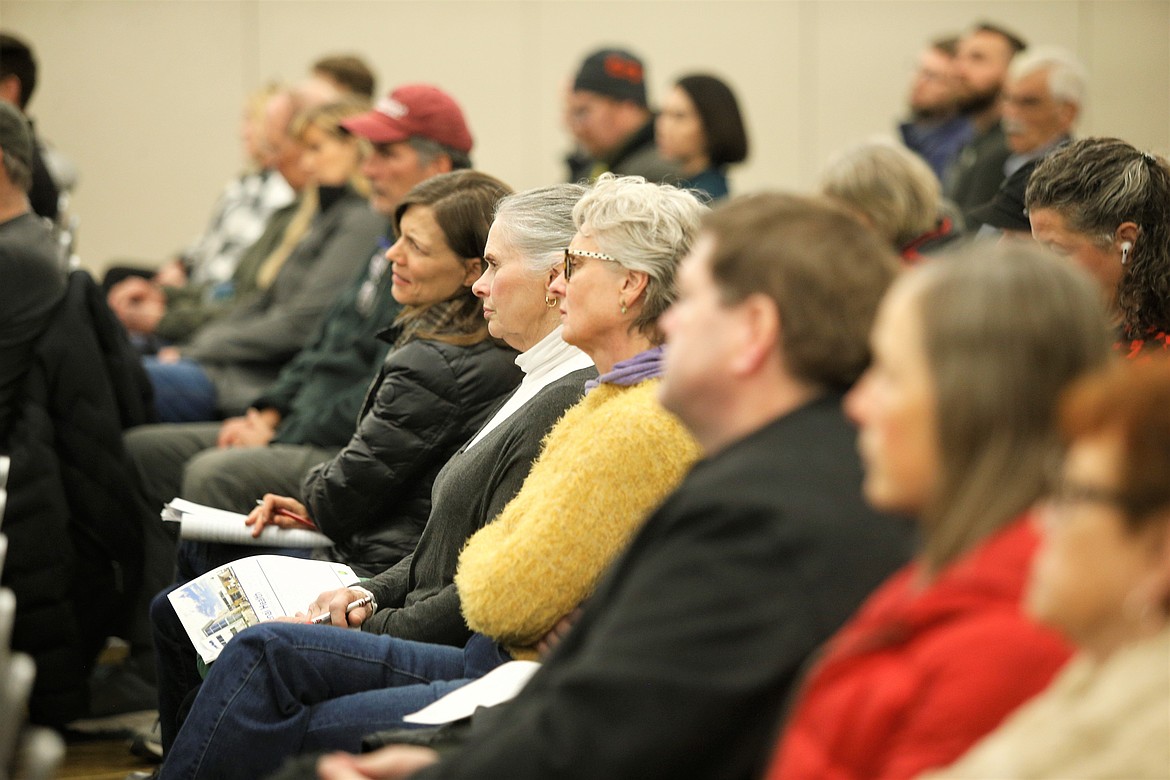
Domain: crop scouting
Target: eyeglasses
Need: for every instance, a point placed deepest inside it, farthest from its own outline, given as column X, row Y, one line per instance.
column 1065, row 493
column 574, row 257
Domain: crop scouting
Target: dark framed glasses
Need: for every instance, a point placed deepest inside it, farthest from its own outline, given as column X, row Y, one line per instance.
column 573, row 258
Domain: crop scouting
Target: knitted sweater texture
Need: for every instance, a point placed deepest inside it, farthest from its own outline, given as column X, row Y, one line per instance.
column 605, row 466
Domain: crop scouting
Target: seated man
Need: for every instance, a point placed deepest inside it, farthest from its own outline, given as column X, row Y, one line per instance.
column 221, row 267
column 33, row 282
column 610, row 119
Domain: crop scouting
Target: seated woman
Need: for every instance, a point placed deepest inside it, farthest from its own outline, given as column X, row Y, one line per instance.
column 700, row 128
column 1106, row 205
column 435, row 388
column 604, row 466
column 892, row 190
column 229, row 362
column 957, row 429
column 1102, row 577
column 485, row 473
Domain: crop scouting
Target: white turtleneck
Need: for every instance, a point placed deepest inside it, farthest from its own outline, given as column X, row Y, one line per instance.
column 549, row 360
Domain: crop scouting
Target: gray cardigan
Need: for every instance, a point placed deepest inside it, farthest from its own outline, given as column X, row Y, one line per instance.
column 244, row 351
column 416, row 597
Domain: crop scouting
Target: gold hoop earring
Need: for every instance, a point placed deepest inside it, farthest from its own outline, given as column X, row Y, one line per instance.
column 550, row 302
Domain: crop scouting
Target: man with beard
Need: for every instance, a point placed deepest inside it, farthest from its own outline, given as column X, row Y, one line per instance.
column 936, row 131
column 981, row 63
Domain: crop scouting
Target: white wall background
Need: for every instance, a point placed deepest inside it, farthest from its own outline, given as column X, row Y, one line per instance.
column 145, row 95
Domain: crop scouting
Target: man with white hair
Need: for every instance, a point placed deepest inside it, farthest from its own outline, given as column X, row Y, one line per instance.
column 1041, row 103
column 1042, row 100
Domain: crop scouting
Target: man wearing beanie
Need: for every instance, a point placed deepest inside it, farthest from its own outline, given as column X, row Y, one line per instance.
column 609, row 117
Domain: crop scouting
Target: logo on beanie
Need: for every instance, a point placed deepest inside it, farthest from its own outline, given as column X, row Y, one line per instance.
column 391, row 108
column 619, row 67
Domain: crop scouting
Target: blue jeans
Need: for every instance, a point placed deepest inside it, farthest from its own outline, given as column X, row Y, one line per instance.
column 182, row 391
column 279, row 689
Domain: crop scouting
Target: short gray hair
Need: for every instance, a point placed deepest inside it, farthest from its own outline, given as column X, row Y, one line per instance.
column 1067, row 78
column 430, row 150
column 539, row 223
column 647, row 227
column 889, row 185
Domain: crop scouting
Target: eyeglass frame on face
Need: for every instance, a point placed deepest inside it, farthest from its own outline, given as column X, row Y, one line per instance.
column 1064, row 493
column 573, row 253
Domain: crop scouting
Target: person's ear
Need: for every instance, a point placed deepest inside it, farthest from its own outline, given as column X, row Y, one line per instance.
column 1127, row 232
column 758, row 328
column 474, row 270
column 1158, row 581
column 441, row 164
column 634, row 284
column 10, row 90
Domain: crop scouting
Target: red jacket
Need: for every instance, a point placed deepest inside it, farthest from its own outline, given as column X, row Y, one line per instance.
column 915, row 678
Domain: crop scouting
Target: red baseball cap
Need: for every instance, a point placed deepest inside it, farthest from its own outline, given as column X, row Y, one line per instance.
column 414, row 110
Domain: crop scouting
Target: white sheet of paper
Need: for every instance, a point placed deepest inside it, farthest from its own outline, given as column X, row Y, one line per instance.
column 497, row 686
column 201, row 523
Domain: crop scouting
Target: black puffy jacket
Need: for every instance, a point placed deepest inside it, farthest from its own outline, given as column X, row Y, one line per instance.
column 73, row 525
column 429, row 398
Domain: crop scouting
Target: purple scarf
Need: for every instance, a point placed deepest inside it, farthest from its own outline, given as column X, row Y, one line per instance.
column 643, row 366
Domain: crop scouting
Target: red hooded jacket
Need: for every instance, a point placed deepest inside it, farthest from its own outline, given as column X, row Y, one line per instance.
column 918, row 675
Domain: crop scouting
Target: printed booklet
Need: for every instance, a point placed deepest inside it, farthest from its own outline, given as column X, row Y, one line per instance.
column 223, row 602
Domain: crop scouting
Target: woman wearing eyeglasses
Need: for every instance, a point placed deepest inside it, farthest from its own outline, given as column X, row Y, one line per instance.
column 610, row 460
column 957, row 429
column 1102, row 578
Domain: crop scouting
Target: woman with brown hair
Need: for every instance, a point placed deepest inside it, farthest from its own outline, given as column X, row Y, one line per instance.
column 956, row 426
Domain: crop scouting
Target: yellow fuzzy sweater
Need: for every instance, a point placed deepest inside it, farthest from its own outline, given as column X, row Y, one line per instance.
column 609, row 461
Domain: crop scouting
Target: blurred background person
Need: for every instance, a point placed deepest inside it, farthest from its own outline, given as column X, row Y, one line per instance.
column 701, row 129
column 1102, row 577
column 347, row 74
column 610, row 118
column 1042, row 100
column 251, row 213
column 228, row 363
column 893, row 191
column 981, row 65
column 18, row 81
column 957, row 429
column 1106, row 206
column 936, row 131
column 19, row 224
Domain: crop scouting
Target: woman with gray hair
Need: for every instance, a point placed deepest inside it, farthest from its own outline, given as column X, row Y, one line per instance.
column 1106, row 206
column 891, row 189
column 602, row 468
